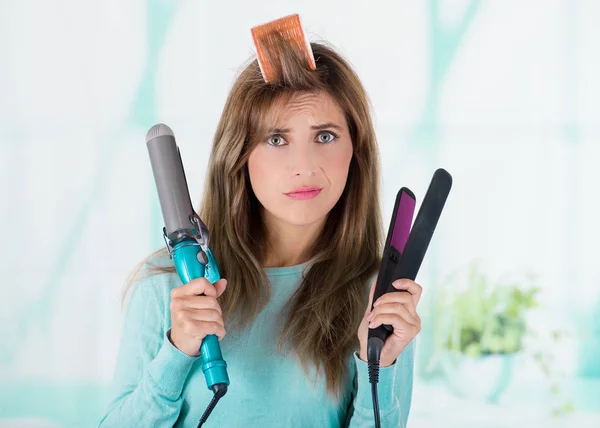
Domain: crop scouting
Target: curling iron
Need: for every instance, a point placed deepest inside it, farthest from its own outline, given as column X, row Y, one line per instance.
column 187, row 241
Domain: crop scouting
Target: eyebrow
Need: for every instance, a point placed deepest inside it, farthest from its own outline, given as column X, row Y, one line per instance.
column 314, row 127
column 326, row 125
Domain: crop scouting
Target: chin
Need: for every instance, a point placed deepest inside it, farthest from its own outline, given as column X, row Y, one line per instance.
column 307, row 220
column 304, row 217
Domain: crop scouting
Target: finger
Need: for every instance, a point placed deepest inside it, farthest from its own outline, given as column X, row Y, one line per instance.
column 394, row 297
column 193, row 316
column 195, row 287
column 220, row 286
column 402, row 328
column 208, row 315
column 394, row 309
column 412, row 287
column 204, row 328
column 195, row 302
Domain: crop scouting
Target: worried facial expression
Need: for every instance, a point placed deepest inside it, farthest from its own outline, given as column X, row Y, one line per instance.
column 298, row 171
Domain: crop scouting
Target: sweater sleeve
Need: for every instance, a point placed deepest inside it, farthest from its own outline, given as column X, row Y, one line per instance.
column 150, row 372
column 394, row 392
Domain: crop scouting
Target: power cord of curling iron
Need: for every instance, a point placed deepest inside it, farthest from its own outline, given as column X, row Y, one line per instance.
column 219, row 389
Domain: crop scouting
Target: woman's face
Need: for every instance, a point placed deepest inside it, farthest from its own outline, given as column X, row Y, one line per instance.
column 299, row 170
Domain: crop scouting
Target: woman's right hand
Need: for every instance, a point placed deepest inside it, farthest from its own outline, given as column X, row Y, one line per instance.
column 194, row 316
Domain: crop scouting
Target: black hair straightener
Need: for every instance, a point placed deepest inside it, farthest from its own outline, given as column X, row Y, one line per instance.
column 402, row 257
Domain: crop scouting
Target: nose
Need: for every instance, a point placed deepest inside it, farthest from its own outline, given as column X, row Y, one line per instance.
column 303, row 160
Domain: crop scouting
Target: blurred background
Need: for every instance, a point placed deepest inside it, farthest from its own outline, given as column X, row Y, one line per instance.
column 502, row 94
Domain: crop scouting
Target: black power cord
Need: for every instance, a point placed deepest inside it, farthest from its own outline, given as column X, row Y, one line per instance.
column 374, row 347
column 219, row 389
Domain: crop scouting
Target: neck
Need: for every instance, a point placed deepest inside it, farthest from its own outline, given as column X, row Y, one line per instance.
column 289, row 245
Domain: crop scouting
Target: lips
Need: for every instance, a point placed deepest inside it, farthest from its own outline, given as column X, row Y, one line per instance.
column 307, row 192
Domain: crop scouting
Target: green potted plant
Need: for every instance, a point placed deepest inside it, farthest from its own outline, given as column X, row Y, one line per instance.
column 480, row 330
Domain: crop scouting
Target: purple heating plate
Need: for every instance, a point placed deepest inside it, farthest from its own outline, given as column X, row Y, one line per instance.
column 404, row 217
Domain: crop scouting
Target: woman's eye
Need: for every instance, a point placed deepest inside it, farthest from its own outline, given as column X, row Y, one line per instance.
column 275, row 140
column 326, row 137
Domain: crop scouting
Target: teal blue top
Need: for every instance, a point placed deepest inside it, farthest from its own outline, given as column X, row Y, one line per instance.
column 156, row 385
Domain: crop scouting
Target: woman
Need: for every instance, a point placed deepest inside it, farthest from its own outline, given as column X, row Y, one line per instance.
column 291, row 202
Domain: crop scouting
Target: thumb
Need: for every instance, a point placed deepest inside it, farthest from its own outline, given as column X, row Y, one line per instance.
column 220, row 285
column 371, row 293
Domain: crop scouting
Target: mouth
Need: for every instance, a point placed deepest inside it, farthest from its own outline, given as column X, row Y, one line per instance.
column 304, row 192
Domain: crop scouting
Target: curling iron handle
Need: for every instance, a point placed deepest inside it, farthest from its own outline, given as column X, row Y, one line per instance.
column 188, row 267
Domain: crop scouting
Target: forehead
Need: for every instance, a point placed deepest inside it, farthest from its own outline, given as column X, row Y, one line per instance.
column 314, row 106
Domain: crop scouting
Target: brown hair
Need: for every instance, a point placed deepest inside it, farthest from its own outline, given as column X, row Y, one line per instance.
column 323, row 316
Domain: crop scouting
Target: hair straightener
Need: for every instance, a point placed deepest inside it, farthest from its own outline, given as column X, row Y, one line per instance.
column 402, row 257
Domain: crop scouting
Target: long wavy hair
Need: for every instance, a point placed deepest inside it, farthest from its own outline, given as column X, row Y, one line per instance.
column 322, row 317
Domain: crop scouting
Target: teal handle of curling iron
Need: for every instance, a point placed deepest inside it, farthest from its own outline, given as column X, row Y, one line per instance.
column 185, row 256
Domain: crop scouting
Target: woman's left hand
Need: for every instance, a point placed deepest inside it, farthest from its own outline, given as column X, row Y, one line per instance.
column 397, row 309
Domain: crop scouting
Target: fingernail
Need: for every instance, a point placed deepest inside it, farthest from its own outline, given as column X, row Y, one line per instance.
column 371, row 324
column 370, row 316
column 376, row 303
